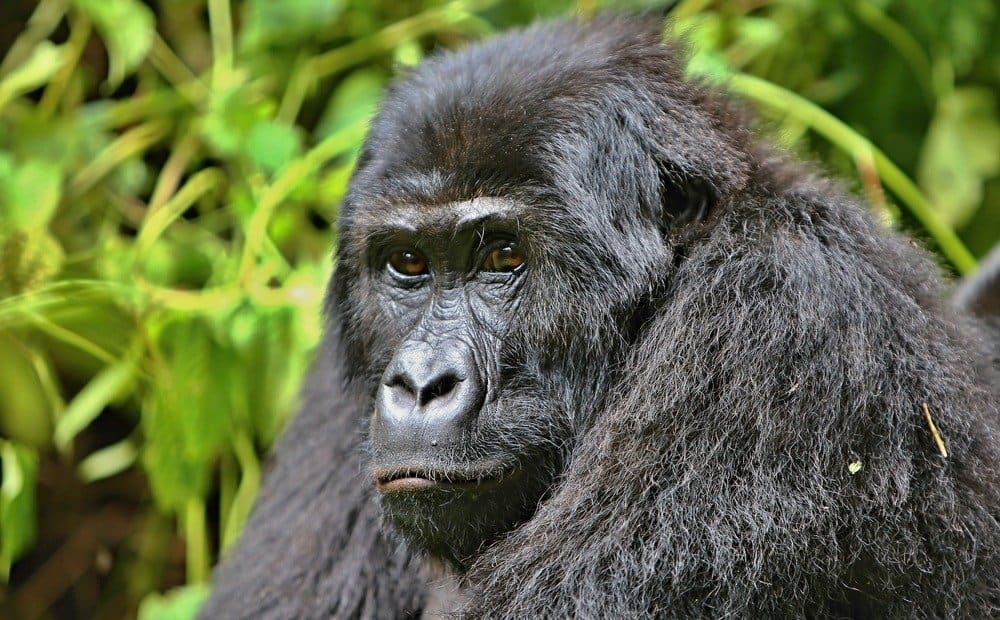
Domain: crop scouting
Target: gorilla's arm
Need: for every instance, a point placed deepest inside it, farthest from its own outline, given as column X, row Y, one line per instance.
column 980, row 292
column 769, row 439
column 313, row 547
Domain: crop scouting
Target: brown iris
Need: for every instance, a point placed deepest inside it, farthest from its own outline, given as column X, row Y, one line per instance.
column 408, row 263
column 505, row 258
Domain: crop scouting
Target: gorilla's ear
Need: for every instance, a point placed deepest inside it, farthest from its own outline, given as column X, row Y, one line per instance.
column 699, row 163
column 683, row 200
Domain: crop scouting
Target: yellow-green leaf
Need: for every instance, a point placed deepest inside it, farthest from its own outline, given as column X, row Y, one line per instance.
column 17, row 503
column 127, row 28
column 44, row 61
column 961, row 152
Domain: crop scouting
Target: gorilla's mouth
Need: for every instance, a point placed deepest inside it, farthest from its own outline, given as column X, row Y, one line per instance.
column 419, row 478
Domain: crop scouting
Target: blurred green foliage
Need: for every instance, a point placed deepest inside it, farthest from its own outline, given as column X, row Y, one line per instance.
column 169, row 173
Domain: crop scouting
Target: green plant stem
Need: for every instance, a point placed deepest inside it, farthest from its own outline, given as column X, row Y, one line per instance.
column 157, row 104
column 24, row 308
column 176, row 72
column 220, row 18
column 46, row 376
column 80, row 29
column 196, row 541
column 73, row 339
column 159, row 219
column 108, row 461
column 213, row 300
column 299, row 85
column 848, row 140
column 128, row 145
column 173, row 170
column 239, row 511
column 227, row 491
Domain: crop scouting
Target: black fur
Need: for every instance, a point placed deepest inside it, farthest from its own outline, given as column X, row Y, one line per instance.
column 729, row 355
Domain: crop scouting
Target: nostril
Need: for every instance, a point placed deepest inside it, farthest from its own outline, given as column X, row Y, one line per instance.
column 401, row 382
column 439, row 387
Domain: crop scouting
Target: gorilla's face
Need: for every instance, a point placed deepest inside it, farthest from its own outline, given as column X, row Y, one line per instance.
column 489, row 330
column 470, row 419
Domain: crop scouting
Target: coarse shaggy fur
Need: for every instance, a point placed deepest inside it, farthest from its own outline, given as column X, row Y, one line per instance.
column 737, row 365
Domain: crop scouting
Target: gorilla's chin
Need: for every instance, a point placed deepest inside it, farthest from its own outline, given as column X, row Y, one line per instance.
column 451, row 515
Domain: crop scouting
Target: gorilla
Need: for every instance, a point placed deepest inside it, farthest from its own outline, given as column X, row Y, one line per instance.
column 594, row 349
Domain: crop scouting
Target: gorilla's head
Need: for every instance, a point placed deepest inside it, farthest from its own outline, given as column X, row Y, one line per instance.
column 516, row 213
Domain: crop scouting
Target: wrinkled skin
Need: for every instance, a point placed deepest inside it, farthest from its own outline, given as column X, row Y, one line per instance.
column 593, row 350
column 456, row 453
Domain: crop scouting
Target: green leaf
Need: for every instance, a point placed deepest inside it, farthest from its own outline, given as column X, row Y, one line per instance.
column 704, row 33
column 355, row 100
column 232, row 113
column 29, row 193
column 710, row 66
column 17, row 503
column 272, row 375
column 92, row 399
column 128, row 28
column 25, row 410
column 961, row 152
column 754, row 35
column 287, row 22
column 271, row 145
column 758, row 31
column 178, row 604
column 958, row 28
column 187, row 420
column 68, row 141
column 44, row 61
column 28, row 259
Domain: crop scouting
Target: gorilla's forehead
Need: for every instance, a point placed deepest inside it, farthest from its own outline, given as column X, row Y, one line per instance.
column 511, row 112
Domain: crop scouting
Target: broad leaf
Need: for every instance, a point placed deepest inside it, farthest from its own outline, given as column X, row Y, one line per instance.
column 961, row 152
column 17, row 503
column 127, row 27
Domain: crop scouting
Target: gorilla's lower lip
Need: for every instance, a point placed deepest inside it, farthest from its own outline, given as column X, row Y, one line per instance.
column 410, row 483
column 390, row 481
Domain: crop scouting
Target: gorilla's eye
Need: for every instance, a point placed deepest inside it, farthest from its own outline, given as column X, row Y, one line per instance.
column 505, row 258
column 408, row 263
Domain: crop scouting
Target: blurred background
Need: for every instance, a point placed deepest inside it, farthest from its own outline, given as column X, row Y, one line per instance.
column 169, row 174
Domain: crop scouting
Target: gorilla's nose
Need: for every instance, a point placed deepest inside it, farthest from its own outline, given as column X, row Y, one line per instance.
column 428, row 393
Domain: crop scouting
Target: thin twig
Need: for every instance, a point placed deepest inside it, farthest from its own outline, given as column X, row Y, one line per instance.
column 934, row 431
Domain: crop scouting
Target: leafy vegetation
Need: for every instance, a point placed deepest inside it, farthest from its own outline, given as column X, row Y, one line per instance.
column 169, row 173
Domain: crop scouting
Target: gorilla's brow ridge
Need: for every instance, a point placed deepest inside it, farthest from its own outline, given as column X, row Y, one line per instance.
column 451, row 217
